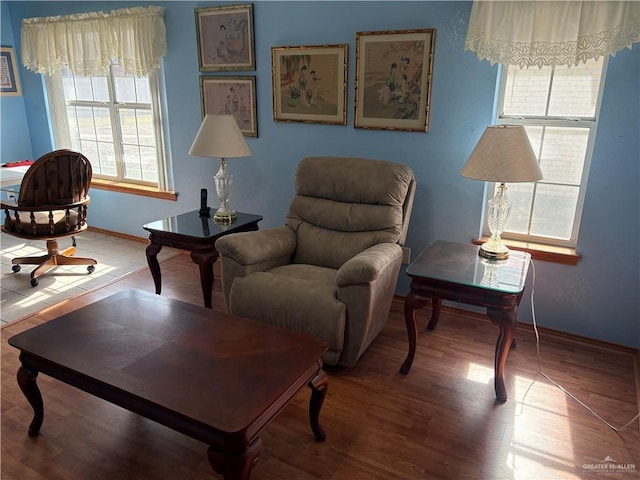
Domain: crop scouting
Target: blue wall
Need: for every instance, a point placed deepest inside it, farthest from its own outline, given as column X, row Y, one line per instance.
column 15, row 141
column 598, row 298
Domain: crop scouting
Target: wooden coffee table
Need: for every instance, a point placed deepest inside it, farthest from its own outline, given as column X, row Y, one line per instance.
column 214, row 377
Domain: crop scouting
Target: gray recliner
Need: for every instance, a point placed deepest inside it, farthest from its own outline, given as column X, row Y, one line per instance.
column 332, row 270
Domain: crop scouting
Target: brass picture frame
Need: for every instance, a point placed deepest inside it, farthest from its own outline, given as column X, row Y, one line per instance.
column 235, row 96
column 394, row 72
column 310, row 84
column 225, row 38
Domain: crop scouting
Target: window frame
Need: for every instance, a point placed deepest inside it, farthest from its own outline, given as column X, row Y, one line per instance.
column 59, row 125
column 590, row 123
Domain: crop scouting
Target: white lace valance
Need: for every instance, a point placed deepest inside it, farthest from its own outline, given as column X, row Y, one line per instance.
column 87, row 42
column 550, row 33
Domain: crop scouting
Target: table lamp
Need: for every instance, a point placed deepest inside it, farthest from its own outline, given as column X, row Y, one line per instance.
column 503, row 155
column 220, row 137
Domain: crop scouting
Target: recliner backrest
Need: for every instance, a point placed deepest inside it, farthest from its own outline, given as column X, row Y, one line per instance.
column 344, row 205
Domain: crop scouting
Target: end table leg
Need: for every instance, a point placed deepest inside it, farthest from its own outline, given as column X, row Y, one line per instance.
column 236, row 466
column 205, row 262
column 436, row 303
column 152, row 260
column 506, row 321
column 27, row 383
column 412, row 303
column 319, row 386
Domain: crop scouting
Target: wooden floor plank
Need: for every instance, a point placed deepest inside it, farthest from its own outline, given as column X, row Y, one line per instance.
column 440, row 421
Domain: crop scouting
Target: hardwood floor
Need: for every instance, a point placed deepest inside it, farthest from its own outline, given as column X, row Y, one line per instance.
column 438, row 422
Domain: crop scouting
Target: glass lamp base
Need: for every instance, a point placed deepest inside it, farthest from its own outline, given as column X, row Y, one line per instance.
column 225, row 215
column 497, row 217
column 494, row 249
column 223, row 181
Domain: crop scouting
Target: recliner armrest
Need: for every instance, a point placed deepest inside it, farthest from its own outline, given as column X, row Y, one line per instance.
column 368, row 264
column 249, row 248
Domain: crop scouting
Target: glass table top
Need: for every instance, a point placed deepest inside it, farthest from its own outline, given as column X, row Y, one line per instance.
column 460, row 263
column 191, row 224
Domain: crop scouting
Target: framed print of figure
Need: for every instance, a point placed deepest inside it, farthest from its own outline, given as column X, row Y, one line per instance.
column 393, row 79
column 310, row 84
column 9, row 81
column 225, row 38
column 231, row 96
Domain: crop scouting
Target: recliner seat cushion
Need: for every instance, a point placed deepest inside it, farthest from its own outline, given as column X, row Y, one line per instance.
column 297, row 297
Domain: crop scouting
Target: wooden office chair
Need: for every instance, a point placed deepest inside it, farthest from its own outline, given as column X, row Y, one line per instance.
column 52, row 204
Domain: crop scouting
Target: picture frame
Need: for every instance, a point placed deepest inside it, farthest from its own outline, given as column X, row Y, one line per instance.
column 225, row 37
column 9, row 80
column 309, row 83
column 394, row 71
column 232, row 96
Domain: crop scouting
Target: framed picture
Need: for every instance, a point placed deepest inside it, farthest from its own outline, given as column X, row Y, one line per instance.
column 232, row 96
column 393, row 79
column 9, row 81
column 225, row 38
column 310, row 84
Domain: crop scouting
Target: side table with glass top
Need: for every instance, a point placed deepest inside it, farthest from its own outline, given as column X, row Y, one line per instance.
column 455, row 272
column 197, row 234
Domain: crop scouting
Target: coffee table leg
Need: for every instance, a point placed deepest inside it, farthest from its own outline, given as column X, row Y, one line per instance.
column 236, row 466
column 27, row 382
column 152, row 260
column 205, row 262
column 412, row 303
column 319, row 386
column 506, row 321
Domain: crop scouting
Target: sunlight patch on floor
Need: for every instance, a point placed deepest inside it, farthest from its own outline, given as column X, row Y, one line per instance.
column 540, row 407
column 479, row 373
column 116, row 257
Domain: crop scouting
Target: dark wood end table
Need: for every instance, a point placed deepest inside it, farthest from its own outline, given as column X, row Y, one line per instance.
column 196, row 234
column 455, row 272
column 214, row 377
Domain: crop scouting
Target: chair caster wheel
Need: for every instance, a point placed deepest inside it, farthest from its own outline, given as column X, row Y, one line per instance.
column 16, row 268
column 91, row 269
column 34, row 282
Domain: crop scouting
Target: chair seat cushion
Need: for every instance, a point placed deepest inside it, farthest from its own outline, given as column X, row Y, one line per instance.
column 298, row 297
column 42, row 227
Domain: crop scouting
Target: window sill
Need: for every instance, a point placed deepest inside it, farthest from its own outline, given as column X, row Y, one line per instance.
column 133, row 189
column 538, row 251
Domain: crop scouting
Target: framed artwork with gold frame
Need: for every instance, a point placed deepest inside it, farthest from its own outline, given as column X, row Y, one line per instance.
column 310, row 84
column 235, row 96
column 225, row 38
column 394, row 71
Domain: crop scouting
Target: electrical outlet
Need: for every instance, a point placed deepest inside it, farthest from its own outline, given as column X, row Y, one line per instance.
column 406, row 255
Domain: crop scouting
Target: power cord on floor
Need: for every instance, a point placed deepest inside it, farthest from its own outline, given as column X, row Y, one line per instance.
column 542, row 373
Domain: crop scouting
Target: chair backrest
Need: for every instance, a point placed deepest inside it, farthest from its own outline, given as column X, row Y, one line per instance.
column 344, row 205
column 62, row 177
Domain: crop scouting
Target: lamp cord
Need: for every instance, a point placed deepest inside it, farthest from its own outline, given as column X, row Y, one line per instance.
column 542, row 373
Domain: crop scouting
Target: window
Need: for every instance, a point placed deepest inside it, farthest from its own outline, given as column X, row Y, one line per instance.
column 559, row 109
column 115, row 120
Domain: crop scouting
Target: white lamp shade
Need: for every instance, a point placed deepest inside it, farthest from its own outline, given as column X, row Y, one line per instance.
column 219, row 136
column 503, row 154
